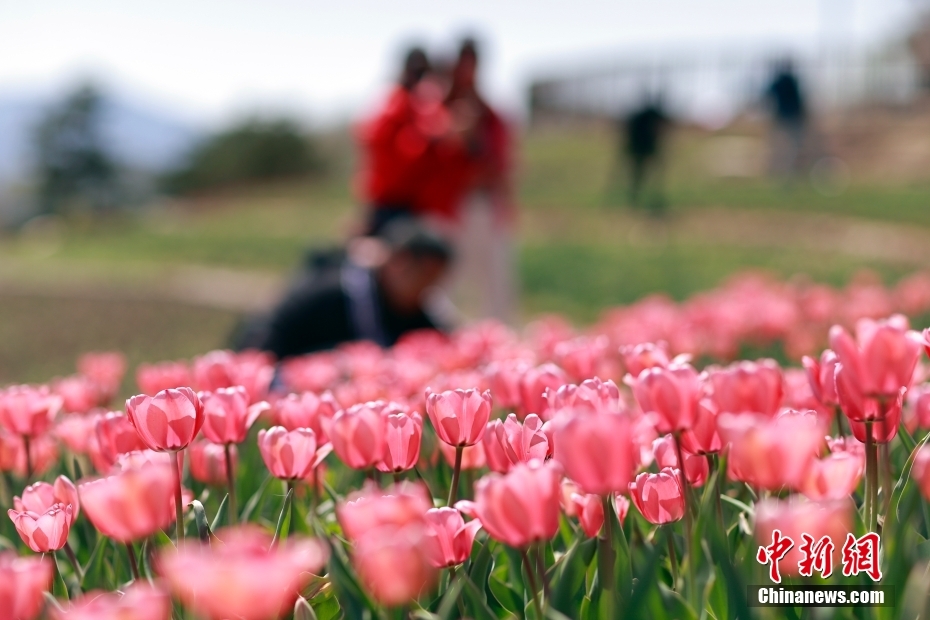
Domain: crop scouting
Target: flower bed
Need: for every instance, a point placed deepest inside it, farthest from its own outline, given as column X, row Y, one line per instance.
column 484, row 475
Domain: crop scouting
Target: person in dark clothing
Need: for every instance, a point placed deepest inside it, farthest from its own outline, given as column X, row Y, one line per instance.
column 644, row 131
column 786, row 100
column 379, row 298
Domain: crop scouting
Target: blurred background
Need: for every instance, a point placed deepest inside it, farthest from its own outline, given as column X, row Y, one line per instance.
column 165, row 167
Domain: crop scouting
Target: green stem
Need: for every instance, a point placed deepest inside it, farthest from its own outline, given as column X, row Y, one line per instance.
column 871, row 478
column 133, row 562
column 456, row 471
column 27, row 448
column 607, row 557
column 74, row 563
column 59, row 575
column 673, row 559
column 293, row 509
column 178, row 500
column 231, row 485
column 541, row 568
column 838, row 415
column 314, row 494
column 530, row 574
column 686, row 495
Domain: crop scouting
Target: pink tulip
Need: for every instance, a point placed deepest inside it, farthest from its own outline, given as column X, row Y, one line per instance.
column 78, row 393
column 139, row 601
column 920, row 471
column 640, row 357
column 290, row 455
column 227, row 415
column 253, row 370
column 394, row 563
column 659, row 497
column 512, row 442
column 46, row 531
column 23, row 582
column 208, row 462
column 106, row 369
column 622, row 506
column 77, row 431
column 702, row 437
column 504, row 379
column 132, row 504
column 315, row 372
column 584, row 357
column 370, row 508
column 168, row 421
column 243, row 575
column 771, row 453
column 748, row 387
column 358, row 434
column 533, row 388
column 851, row 445
column 41, row 496
column 153, row 378
column 671, row 394
column 592, row 396
column 143, row 458
column 882, row 358
column 473, row 457
column 884, row 427
column 43, row 453
column 459, row 416
column 520, row 507
column 450, row 538
column 794, row 517
column 918, row 405
column 495, row 457
column 821, row 376
column 666, row 455
column 402, row 442
column 305, row 410
column 597, row 451
column 590, row 512
column 116, row 435
column 833, row 477
column 28, row 410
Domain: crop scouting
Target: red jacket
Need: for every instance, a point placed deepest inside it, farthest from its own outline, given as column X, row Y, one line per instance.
column 399, row 147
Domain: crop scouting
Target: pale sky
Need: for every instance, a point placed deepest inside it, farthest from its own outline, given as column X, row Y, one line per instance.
column 214, row 59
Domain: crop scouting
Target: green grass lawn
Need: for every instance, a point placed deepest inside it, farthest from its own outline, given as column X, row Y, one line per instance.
column 577, row 255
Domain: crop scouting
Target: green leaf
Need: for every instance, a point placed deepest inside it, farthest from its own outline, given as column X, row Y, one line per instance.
column 449, row 602
column 569, row 580
column 220, row 517
column 200, row 518
column 675, row 605
column 326, row 606
column 475, row 599
column 256, row 497
column 735, row 502
column 284, row 519
column 481, row 563
column 352, row 600
column 93, row 562
column 303, row 610
column 506, row 595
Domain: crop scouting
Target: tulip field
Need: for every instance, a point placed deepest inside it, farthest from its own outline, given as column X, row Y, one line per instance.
column 633, row 469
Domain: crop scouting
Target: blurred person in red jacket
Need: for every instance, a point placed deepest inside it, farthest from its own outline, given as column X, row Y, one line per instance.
column 474, row 197
column 411, row 139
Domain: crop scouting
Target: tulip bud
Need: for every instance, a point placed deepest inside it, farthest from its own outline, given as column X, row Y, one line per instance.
column 168, row 421
column 459, row 416
column 659, row 497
